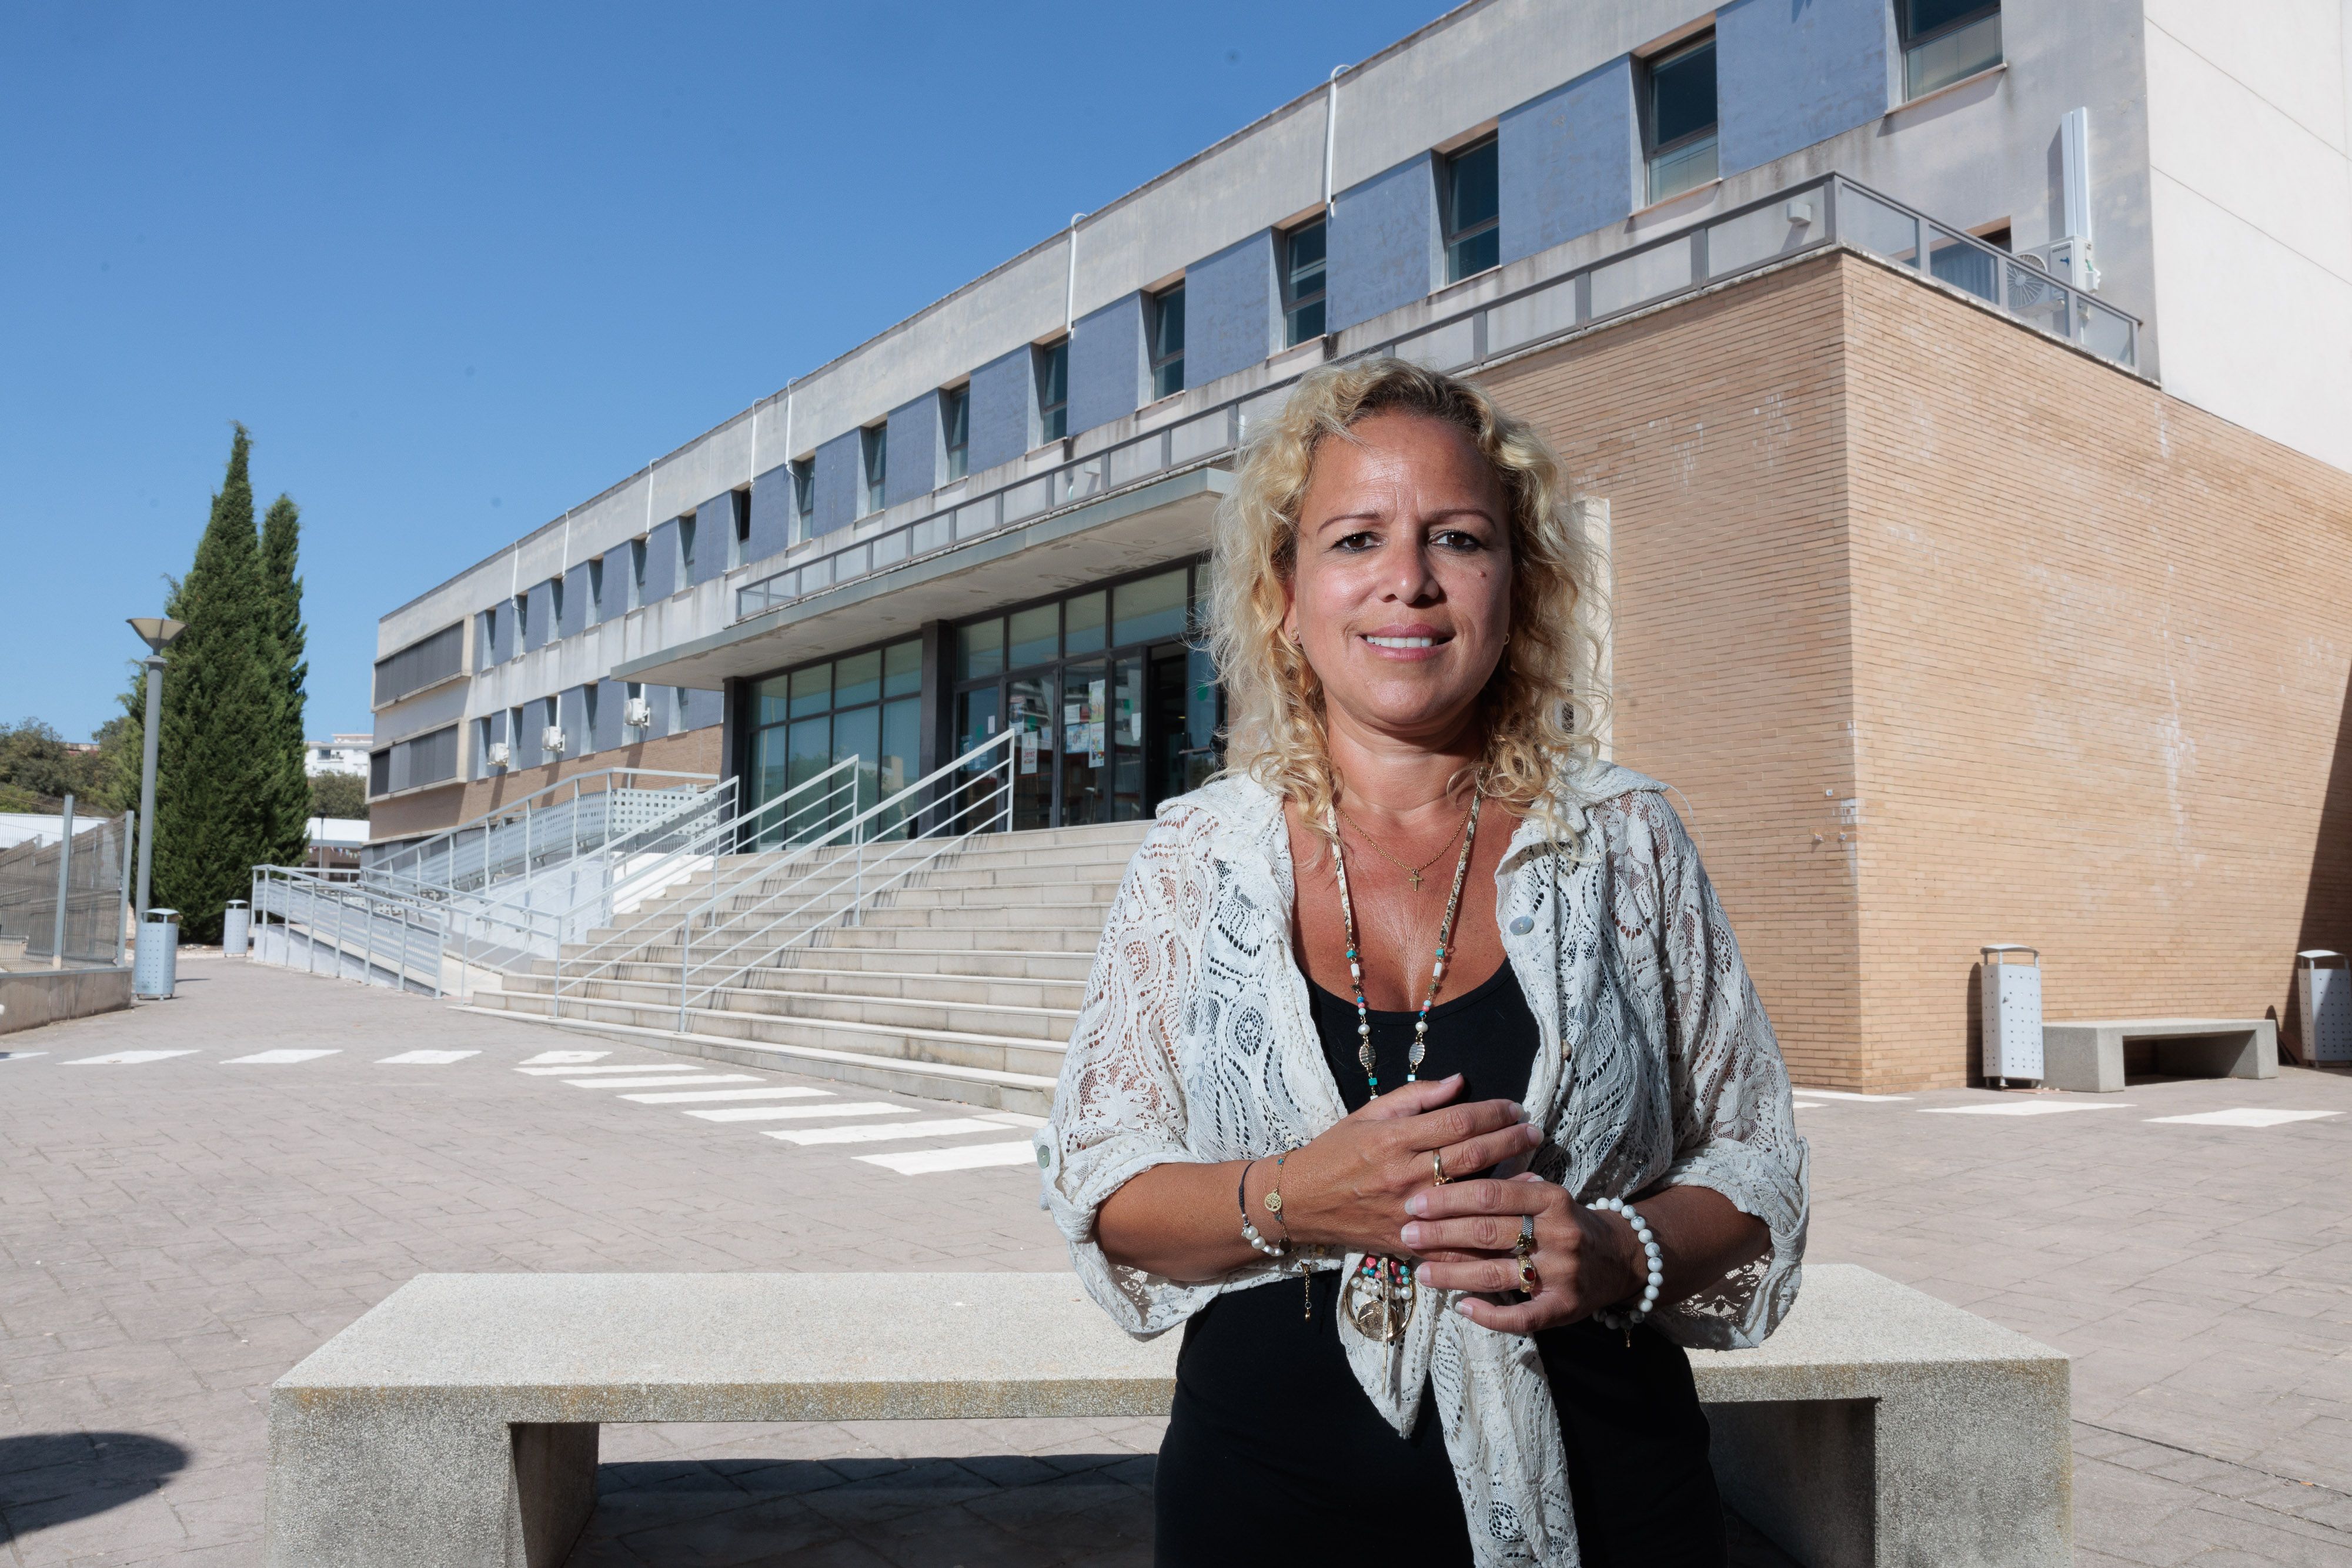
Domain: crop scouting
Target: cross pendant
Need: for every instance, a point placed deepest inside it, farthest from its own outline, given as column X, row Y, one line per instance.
column 1416, row 880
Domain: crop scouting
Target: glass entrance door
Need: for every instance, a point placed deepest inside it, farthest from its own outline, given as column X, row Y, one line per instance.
column 1102, row 741
column 1029, row 714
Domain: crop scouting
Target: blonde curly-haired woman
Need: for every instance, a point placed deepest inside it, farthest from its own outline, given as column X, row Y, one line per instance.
column 1419, row 1077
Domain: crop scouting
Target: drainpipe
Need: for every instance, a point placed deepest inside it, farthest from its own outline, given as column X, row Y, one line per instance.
column 1330, row 131
column 1070, row 289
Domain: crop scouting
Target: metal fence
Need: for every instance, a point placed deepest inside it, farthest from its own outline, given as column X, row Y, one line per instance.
column 1825, row 213
column 85, row 880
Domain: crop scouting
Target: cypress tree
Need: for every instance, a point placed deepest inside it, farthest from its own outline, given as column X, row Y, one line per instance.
column 287, row 834
column 224, row 696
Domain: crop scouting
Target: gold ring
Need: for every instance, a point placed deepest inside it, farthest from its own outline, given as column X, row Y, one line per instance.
column 1528, row 1280
column 1437, row 1164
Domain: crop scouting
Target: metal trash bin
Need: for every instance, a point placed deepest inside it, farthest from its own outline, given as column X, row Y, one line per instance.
column 157, row 969
column 2012, row 1014
column 2325, row 980
column 237, row 928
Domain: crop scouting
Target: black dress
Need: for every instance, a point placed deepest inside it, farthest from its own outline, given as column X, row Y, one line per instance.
column 1273, row 1454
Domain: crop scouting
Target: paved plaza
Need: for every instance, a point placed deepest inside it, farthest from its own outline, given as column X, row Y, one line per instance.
column 195, row 1193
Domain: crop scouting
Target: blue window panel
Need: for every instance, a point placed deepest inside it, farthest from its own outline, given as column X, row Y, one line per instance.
column 703, row 708
column 1232, row 309
column 714, row 536
column 914, row 467
column 497, row 636
column 772, row 513
column 542, row 629
column 1790, row 73
column 1384, row 244
column 579, row 615
column 1004, row 409
column 661, row 562
column 572, row 712
column 1570, row 160
column 1106, row 365
column 607, row 733
column 840, row 482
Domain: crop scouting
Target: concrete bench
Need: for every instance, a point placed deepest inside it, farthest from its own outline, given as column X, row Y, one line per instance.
column 456, row 1424
column 2090, row 1056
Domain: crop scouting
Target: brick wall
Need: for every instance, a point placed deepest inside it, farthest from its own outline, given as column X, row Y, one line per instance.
column 2064, row 658
column 431, row 810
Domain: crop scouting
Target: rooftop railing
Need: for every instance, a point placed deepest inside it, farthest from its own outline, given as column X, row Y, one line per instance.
column 1827, row 212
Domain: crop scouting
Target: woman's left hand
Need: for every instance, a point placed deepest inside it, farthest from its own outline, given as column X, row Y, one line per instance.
column 1464, row 1231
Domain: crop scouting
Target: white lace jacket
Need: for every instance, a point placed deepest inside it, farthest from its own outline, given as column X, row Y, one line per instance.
column 1195, row 1044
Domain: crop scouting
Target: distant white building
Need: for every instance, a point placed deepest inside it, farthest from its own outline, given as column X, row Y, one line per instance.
column 339, row 754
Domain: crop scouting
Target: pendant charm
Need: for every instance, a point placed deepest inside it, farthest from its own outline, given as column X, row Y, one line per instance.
column 1378, row 1301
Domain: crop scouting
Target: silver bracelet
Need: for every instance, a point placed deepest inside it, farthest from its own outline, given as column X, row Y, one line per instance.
column 1249, row 1230
column 1650, row 1287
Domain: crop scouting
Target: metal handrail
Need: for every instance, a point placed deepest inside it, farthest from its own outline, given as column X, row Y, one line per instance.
column 2035, row 297
column 445, row 842
column 807, row 861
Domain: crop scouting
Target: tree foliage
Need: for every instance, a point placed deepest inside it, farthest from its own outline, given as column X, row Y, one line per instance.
column 339, row 795
column 225, row 798
column 37, row 769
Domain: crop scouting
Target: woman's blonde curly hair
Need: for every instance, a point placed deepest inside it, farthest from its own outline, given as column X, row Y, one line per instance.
column 1542, row 706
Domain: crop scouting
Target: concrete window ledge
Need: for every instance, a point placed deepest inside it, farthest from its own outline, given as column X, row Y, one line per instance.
column 456, row 1422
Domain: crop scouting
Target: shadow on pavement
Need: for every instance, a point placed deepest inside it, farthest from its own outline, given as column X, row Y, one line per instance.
column 55, row 1477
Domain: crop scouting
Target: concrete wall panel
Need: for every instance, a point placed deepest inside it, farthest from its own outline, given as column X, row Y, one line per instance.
column 1384, row 244
column 917, row 456
column 1788, row 75
column 1232, row 309
column 1570, row 160
column 1106, row 365
column 1003, row 416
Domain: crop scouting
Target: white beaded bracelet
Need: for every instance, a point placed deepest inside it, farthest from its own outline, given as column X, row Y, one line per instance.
column 1657, row 1279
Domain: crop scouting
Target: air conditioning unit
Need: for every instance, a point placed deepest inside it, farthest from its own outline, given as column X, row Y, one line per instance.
column 638, row 714
column 498, row 754
column 550, row 740
column 2068, row 260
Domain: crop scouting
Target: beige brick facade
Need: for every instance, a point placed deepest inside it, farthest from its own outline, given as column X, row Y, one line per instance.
column 2062, row 658
column 431, row 810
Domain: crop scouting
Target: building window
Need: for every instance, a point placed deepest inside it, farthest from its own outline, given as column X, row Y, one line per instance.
column 804, row 497
column 1168, row 342
column 1053, row 391
column 955, row 422
column 739, row 513
column 685, row 550
column 488, row 653
column 1302, row 283
column 1679, row 102
column 555, row 606
column 588, row 695
column 873, row 451
column 636, row 573
column 1474, row 208
column 522, row 623
column 595, row 589
column 1944, row 40
column 864, row 705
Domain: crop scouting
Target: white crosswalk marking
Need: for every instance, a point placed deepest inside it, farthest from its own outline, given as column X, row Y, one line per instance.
column 1847, row 1095
column 666, row 1078
column 546, row 1057
column 19, row 1055
column 2016, row 1108
column 425, row 1058
column 779, row 1112
column 1012, row 1119
column 697, row 1096
column 611, row 1067
column 125, row 1058
column 2246, row 1117
column 275, row 1058
column 879, row 1132
column 971, row 1157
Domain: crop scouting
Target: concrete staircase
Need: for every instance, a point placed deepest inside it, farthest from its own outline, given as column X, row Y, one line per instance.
column 963, row 985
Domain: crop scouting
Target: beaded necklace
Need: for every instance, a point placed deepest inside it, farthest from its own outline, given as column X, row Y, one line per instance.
column 1437, row 970
column 1378, row 1296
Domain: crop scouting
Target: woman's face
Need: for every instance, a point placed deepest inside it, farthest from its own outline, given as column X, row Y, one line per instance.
column 1402, row 592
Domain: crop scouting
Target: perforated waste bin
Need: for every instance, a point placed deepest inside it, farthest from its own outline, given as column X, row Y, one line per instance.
column 157, row 969
column 2324, row 980
column 237, row 928
column 2012, row 1013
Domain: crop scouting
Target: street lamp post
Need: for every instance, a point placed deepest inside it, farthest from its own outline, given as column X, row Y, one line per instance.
column 158, row 632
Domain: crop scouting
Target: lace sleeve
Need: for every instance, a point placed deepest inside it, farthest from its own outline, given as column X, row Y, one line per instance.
column 1120, row 1107
column 1734, row 1131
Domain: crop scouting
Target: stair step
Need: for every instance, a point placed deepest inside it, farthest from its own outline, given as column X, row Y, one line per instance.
column 980, row 1020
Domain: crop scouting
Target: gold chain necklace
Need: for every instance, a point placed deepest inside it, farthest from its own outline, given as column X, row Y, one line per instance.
column 1412, row 872
column 1378, row 1296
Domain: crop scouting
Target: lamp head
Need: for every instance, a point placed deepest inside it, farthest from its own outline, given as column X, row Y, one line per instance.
column 158, row 631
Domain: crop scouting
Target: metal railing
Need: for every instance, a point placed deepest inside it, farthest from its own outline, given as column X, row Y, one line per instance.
column 742, row 925
column 555, row 821
column 300, row 913
column 1828, row 211
column 68, row 901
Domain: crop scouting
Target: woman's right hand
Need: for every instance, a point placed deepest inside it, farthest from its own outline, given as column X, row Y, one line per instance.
column 1347, row 1189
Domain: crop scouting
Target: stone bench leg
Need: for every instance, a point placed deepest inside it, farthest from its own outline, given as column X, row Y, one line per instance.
column 2083, row 1057
column 422, row 1476
column 2253, row 1053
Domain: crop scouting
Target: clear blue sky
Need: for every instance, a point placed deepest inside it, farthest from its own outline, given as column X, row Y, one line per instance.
column 461, row 266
